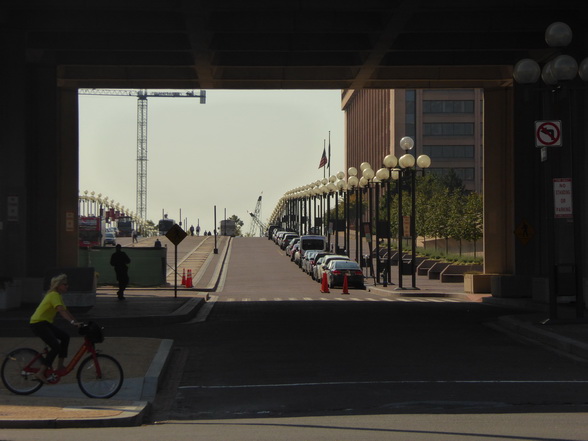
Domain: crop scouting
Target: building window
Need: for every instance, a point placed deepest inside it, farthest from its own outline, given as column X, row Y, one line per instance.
column 466, row 174
column 448, row 129
column 449, row 151
column 444, row 106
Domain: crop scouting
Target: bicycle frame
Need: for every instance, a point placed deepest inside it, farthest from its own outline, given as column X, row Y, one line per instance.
column 55, row 374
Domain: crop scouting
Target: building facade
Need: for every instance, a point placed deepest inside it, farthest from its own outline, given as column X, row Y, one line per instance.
column 446, row 124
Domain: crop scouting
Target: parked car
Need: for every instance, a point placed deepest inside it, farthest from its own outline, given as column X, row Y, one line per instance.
column 316, row 261
column 338, row 269
column 312, row 242
column 322, row 263
column 109, row 238
column 305, row 260
column 290, row 245
column 295, row 251
column 286, row 239
column 278, row 236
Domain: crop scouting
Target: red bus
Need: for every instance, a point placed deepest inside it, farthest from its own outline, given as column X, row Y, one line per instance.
column 91, row 231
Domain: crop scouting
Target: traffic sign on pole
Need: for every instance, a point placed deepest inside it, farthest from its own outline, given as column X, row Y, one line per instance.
column 548, row 134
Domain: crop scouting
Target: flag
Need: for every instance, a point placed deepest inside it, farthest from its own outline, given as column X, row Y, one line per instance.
column 323, row 159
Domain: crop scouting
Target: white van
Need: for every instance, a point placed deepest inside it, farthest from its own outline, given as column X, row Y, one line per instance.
column 309, row 242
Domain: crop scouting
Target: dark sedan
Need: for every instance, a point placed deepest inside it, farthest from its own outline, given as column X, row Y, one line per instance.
column 338, row 269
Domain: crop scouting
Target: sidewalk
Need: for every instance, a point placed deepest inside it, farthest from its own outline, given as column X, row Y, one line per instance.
column 144, row 360
column 565, row 333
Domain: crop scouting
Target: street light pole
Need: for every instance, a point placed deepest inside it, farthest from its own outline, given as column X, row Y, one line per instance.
column 353, row 183
column 383, row 175
column 406, row 163
column 390, row 162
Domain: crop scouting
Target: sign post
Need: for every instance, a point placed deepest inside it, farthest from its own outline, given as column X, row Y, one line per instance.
column 175, row 236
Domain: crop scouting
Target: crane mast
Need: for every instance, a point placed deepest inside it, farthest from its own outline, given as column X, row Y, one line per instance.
column 256, row 221
column 142, row 95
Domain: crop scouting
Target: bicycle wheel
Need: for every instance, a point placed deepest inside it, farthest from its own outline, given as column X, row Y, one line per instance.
column 18, row 371
column 100, row 379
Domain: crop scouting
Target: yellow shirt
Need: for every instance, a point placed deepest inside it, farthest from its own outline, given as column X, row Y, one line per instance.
column 47, row 309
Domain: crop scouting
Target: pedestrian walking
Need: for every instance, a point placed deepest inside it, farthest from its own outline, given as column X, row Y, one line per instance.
column 135, row 236
column 120, row 261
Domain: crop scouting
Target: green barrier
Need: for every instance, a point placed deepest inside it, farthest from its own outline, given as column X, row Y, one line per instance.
column 147, row 267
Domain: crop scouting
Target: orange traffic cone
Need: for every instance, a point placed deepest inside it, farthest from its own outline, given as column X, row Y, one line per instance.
column 184, row 277
column 345, row 285
column 325, row 284
column 189, row 279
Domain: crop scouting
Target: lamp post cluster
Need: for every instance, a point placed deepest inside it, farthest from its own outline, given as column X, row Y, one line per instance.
column 294, row 210
column 92, row 204
column 558, row 75
column 306, row 209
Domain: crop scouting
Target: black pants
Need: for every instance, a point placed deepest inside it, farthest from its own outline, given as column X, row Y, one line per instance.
column 57, row 340
column 122, row 275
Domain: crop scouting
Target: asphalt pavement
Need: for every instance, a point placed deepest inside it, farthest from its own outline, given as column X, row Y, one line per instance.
column 144, row 360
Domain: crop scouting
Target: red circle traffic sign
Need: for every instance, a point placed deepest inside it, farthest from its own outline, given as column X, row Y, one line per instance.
column 548, row 133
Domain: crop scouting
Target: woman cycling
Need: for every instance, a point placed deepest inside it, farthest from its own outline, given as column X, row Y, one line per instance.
column 41, row 323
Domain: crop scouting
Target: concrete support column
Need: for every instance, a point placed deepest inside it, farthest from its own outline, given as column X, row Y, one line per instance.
column 498, row 181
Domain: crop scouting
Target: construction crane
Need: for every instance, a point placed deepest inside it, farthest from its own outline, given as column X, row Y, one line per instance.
column 255, row 221
column 142, row 95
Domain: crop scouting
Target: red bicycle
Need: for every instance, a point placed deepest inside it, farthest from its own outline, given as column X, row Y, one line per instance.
column 99, row 375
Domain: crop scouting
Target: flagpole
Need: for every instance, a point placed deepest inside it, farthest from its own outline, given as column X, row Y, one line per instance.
column 324, row 148
column 329, row 153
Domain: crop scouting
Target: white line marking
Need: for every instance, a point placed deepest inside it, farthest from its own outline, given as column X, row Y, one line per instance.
column 347, row 383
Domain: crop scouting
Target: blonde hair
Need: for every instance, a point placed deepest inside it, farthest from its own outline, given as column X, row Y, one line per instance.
column 56, row 281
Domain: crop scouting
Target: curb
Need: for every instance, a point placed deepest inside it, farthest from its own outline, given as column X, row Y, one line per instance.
column 130, row 414
column 412, row 293
column 543, row 336
column 158, row 365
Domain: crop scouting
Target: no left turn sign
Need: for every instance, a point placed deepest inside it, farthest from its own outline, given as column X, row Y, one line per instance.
column 547, row 133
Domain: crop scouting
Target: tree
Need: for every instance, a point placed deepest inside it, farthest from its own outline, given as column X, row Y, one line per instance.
column 238, row 224
column 474, row 218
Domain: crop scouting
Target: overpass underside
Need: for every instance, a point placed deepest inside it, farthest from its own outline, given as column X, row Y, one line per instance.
column 52, row 49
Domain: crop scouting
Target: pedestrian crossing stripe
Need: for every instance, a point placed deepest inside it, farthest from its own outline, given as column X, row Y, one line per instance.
column 342, row 299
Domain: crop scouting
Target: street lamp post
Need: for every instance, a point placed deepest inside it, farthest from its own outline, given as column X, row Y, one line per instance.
column 406, row 163
column 390, row 161
column 367, row 174
column 383, row 176
column 558, row 74
column 353, row 184
column 340, row 187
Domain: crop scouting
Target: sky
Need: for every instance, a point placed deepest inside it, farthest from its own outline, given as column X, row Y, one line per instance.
column 226, row 153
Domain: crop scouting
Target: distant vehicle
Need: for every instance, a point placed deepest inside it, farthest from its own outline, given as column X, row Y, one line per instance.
column 109, row 238
column 125, row 226
column 165, row 225
column 112, row 230
column 270, row 231
column 338, row 269
column 305, row 261
column 313, row 260
column 310, row 242
column 228, row 228
column 323, row 262
column 91, row 231
column 286, row 238
column 290, row 246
